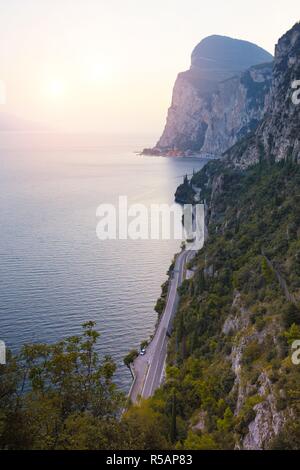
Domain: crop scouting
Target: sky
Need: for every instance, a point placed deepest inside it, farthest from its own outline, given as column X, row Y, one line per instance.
column 109, row 66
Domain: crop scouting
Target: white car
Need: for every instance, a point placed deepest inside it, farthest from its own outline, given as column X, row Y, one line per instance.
column 143, row 352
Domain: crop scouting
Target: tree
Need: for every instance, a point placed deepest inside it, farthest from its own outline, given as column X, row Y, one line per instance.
column 267, row 271
column 289, row 437
column 148, row 427
column 291, row 314
column 225, row 424
column 200, row 442
column 292, row 334
column 48, row 387
column 173, row 432
column 130, row 357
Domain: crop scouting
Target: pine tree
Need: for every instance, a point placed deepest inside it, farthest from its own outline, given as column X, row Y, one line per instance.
column 173, row 434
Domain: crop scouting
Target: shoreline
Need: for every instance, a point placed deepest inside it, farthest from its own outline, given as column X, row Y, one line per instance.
column 182, row 273
column 148, row 369
column 156, row 326
column 178, row 154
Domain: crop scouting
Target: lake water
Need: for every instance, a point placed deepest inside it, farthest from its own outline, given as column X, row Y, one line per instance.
column 55, row 274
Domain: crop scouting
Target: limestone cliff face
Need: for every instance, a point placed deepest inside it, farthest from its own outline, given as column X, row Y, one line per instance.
column 220, row 99
column 278, row 136
column 237, row 108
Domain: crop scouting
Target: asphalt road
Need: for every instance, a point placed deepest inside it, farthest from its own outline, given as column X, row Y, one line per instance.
column 149, row 369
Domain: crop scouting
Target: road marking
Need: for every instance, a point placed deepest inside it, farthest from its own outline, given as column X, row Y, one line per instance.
column 145, row 378
column 157, row 362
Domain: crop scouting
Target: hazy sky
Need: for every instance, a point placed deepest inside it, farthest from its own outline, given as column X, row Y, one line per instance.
column 110, row 65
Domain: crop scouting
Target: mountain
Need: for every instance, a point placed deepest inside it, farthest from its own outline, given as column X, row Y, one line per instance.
column 231, row 352
column 226, row 56
column 277, row 136
column 218, row 100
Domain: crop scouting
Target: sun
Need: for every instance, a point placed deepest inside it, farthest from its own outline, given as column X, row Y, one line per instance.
column 56, row 88
column 96, row 72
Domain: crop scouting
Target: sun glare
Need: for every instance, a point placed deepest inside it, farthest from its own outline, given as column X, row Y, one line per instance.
column 56, row 88
column 96, row 72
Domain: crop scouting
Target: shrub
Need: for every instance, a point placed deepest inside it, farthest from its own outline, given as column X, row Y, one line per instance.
column 252, row 352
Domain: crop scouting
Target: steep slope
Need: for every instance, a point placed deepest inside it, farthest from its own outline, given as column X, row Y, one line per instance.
column 232, row 345
column 219, row 100
column 278, row 135
column 241, row 312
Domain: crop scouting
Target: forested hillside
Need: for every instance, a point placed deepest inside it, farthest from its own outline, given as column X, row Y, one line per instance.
column 230, row 363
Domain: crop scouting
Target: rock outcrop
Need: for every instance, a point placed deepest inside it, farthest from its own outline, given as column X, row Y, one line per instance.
column 277, row 136
column 219, row 100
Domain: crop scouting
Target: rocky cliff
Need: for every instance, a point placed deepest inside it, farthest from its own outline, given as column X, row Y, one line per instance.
column 219, row 100
column 278, row 136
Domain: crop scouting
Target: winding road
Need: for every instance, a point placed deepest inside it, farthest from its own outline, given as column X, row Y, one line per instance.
column 148, row 370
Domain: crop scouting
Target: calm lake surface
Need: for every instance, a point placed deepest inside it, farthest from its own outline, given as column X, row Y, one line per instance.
column 55, row 274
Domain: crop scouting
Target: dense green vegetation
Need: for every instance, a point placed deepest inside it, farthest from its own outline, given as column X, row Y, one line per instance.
column 241, row 306
column 59, row 396
column 249, row 272
column 162, row 300
column 130, row 357
column 62, row 396
column 185, row 193
column 247, row 275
